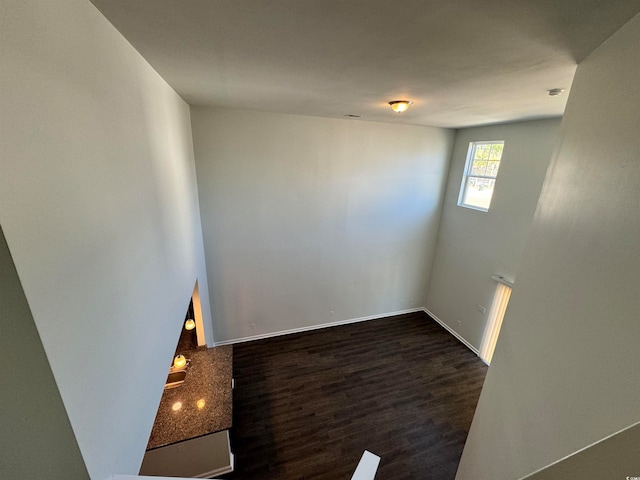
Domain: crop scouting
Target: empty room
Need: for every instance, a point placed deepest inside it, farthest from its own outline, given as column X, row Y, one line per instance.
column 319, row 239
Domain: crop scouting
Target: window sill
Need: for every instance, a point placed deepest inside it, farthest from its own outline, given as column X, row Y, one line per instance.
column 472, row 207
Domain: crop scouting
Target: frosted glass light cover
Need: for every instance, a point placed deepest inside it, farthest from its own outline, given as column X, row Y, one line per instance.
column 400, row 106
column 179, row 361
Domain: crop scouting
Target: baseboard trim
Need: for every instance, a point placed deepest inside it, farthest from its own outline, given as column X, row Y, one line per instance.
column 317, row 327
column 452, row 332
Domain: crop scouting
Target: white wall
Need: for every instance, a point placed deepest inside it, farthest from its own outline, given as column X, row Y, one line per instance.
column 565, row 370
column 303, row 216
column 32, row 416
column 472, row 245
column 98, row 204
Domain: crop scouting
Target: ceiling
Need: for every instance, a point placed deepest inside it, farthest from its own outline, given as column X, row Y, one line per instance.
column 462, row 62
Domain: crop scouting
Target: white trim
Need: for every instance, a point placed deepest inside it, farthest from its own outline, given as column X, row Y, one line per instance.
column 494, row 321
column 473, row 207
column 197, row 313
column 452, row 332
column 217, row 471
column 316, row 327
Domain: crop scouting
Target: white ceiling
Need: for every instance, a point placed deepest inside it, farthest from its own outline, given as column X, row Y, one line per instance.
column 463, row 62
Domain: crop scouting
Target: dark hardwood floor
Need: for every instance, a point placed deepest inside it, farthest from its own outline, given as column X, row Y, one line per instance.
column 307, row 405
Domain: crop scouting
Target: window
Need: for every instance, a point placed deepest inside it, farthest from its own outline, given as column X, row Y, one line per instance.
column 480, row 172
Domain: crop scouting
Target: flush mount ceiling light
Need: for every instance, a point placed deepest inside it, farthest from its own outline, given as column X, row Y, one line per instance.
column 555, row 92
column 400, row 106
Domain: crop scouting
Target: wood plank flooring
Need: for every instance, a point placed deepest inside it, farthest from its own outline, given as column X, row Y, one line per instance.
column 307, row 405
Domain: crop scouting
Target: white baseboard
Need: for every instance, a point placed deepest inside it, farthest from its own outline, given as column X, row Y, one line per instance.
column 348, row 321
column 452, row 332
column 317, row 327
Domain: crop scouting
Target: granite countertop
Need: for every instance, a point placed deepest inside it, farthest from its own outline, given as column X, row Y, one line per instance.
column 202, row 404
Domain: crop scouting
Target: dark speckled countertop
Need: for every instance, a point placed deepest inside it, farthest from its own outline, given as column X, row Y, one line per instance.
column 204, row 399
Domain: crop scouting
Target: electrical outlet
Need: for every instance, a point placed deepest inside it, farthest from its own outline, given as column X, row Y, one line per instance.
column 253, row 326
column 481, row 309
column 332, row 314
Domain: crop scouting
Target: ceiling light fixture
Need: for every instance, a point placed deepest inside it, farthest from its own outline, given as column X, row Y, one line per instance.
column 190, row 324
column 180, row 361
column 400, row 106
column 555, row 92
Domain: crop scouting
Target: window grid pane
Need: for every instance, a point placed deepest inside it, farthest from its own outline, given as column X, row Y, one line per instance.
column 482, row 152
column 465, row 200
column 492, row 169
column 496, row 151
column 479, row 192
column 479, row 167
column 480, row 174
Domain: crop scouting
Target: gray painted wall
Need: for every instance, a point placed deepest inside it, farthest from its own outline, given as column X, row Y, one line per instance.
column 617, row 456
column 98, row 203
column 304, row 216
column 565, row 370
column 36, row 440
column 472, row 245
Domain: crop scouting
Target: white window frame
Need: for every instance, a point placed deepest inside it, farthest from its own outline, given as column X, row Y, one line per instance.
column 467, row 173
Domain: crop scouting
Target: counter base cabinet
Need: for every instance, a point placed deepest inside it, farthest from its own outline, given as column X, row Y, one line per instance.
column 201, row 457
